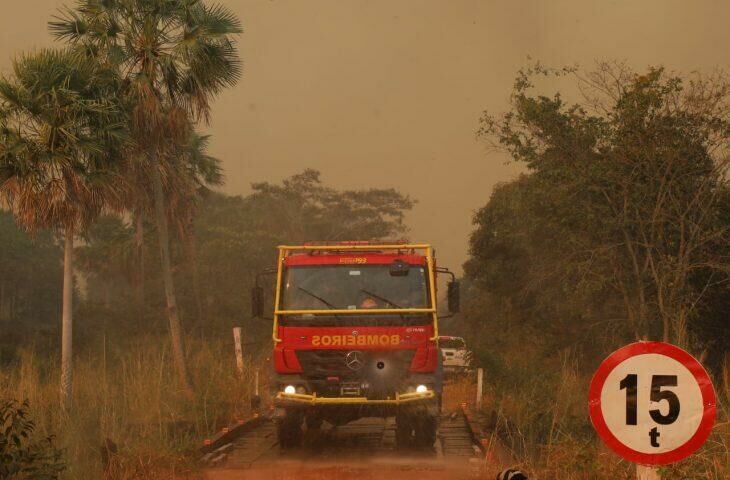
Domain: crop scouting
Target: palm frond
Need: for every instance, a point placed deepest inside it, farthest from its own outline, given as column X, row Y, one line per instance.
column 61, row 129
column 220, row 20
column 174, row 58
column 68, row 25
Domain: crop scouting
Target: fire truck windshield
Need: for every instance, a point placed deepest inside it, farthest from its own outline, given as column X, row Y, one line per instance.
column 347, row 287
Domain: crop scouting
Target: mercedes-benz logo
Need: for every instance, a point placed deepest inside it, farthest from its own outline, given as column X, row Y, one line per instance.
column 355, row 360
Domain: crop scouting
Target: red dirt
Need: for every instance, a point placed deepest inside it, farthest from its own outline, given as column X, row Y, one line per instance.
column 337, row 472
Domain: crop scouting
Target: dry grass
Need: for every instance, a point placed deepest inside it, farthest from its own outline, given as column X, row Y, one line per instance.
column 129, row 394
column 550, row 436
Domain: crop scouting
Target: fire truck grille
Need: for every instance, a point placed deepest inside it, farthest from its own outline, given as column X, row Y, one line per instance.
column 380, row 373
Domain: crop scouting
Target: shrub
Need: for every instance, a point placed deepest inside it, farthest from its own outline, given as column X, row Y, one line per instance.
column 20, row 456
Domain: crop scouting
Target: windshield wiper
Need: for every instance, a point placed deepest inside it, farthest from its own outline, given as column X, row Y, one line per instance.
column 314, row 295
column 382, row 299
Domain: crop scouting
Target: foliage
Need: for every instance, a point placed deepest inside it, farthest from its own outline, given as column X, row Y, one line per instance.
column 618, row 231
column 181, row 50
column 61, row 135
column 30, row 283
column 131, row 397
column 302, row 209
column 622, row 211
column 236, row 238
column 21, row 457
column 174, row 57
column 60, row 131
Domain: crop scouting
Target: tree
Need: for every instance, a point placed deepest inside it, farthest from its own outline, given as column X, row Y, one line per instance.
column 243, row 228
column 30, row 282
column 196, row 172
column 302, row 209
column 61, row 131
column 106, row 258
column 175, row 57
column 628, row 184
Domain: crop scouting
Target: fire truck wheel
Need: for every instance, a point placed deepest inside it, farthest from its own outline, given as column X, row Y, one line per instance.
column 313, row 422
column 404, row 431
column 426, row 431
column 289, row 430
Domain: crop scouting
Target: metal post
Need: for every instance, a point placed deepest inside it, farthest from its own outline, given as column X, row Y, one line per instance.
column 239, row 349
column 256, row 398
column 644, row 472
column 480, row 386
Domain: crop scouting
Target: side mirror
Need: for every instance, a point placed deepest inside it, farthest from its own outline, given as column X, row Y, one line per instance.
column 452, row 296
column 257, row 302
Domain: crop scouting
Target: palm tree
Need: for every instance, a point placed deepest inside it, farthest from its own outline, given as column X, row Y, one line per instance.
column 60, row 132
column 189, row 173
column 175, row 56
column 198, row 172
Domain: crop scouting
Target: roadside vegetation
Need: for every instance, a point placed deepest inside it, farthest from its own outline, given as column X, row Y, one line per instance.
column 617, row 232
column 125, row 387
column 108, row 216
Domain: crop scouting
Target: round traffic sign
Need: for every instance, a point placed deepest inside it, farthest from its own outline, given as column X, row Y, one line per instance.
column 652, row 403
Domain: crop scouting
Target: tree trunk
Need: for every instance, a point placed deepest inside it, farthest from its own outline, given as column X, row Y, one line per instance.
column 139, row 256
column 192, row 247
column 2, row 301
column 176, row 336
column 67, row 323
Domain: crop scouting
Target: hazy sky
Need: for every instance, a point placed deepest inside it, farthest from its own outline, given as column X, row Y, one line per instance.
column 388, row 93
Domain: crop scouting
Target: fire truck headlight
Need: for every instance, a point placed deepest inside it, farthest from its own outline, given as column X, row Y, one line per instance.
column 421, row 389
column 289, row 389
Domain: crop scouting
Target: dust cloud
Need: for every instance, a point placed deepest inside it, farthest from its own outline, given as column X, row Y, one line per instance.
column 384, row 93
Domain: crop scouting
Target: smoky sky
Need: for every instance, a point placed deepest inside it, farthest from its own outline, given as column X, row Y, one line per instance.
column 388, row 93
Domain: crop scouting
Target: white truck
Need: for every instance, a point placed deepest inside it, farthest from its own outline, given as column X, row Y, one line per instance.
column 456, row 358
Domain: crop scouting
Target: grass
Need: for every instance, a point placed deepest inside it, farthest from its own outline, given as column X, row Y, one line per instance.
column 129, row 395
column 544, row 423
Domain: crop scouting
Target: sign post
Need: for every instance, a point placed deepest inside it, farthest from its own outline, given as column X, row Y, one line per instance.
column 653, row 404
column 647, row 473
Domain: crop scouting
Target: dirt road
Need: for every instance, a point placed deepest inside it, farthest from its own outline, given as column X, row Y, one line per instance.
column 404, row 469
column 364, row 450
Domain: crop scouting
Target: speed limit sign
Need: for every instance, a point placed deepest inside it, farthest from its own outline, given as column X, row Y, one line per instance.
column 652, row 403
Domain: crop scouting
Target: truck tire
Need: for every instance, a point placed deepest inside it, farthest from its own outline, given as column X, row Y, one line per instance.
column 313, row 422
column 425, row 431
column 403, row 431
column 289, row 430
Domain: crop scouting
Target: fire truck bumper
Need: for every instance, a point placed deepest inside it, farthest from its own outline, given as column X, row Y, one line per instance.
column 305, row 400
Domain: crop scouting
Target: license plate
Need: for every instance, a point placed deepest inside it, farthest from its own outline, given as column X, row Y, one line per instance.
column 350, row 389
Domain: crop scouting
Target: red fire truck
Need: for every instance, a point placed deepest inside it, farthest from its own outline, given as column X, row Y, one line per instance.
column 355, row 330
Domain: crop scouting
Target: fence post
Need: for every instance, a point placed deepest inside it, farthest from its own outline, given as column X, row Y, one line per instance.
column 239, row 349
column 480, row 387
